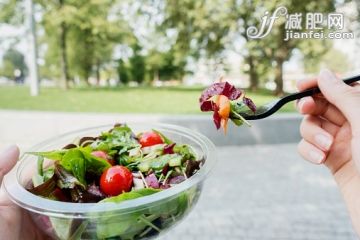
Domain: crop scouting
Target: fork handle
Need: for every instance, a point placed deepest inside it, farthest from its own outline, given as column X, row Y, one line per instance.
column 315, row 90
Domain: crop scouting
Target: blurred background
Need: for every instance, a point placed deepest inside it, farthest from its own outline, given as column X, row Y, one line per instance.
column 156, row 55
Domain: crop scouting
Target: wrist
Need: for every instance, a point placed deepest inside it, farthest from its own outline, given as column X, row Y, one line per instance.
column 346, row 175
column 348, row 180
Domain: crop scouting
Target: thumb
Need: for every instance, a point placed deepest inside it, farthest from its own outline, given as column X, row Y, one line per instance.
column 8, row 159
column 346, row 98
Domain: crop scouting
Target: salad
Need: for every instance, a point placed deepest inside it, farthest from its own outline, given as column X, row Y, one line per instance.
column 113, row 167
column 226, row 101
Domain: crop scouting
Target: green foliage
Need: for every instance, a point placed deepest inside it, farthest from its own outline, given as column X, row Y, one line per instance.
column 12, row 12
column 137, row 63
column 13, row 60
column 89, row 35
column 117, row 100
column 81, row 36
column 123, row 71
column 264, row 57
column 7, row 69
column 333, row 59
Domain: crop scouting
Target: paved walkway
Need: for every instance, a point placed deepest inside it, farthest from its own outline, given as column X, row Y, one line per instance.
column 265, row 192
column 255, row 192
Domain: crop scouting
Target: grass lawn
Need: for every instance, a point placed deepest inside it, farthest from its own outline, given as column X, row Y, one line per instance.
column 117, row 100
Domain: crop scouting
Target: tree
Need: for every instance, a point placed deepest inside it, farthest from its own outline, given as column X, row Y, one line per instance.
column 154, row 62
column 170, row 68
column 63, row 29
column 334, row 59
column 81, row 36
column 123, row 71
column 273, row 50
column 164, row 66
column 12, row 12
column 242, row 16
column 200, row 29
column 56, row 19
column 13, row 60
column 313, row 48
column 137, row 65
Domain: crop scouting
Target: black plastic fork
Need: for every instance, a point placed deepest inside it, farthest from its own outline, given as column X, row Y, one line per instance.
column 273, row 106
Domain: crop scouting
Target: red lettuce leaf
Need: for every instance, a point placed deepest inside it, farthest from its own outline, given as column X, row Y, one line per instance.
column 92, row 195
column 222, row 88
column 248, row 102
column 191, row 167
column 165, row 169
column 65, row 179
column 217, row 119
column 46, row 188
column 169, row 149
column 177, row 179
column 207, row 106
column 60, row 195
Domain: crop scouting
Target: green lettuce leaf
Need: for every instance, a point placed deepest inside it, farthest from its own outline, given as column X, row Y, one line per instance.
column 120, row 138
column 131, row 195
column 74, row 162
column 94, row 164
column 77, row 161
column 65, row 179
column 185, row 151
column 53, row 155
column 128, row 225
column 40, row 163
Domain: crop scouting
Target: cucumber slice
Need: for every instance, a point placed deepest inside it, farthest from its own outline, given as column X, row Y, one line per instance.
column 158, row 163
column 175, row 162
column 144, row 166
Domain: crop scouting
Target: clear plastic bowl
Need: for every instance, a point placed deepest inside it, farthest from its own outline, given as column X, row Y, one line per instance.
column 141, row 218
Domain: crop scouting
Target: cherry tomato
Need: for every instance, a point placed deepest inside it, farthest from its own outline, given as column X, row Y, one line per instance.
column 149, row 139
column 116, row 180
column 103, row 155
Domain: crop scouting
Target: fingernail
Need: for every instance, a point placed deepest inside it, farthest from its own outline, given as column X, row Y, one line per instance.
column 316, row 156
column 323, row 141
column 301, row 104
column 327, row 75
